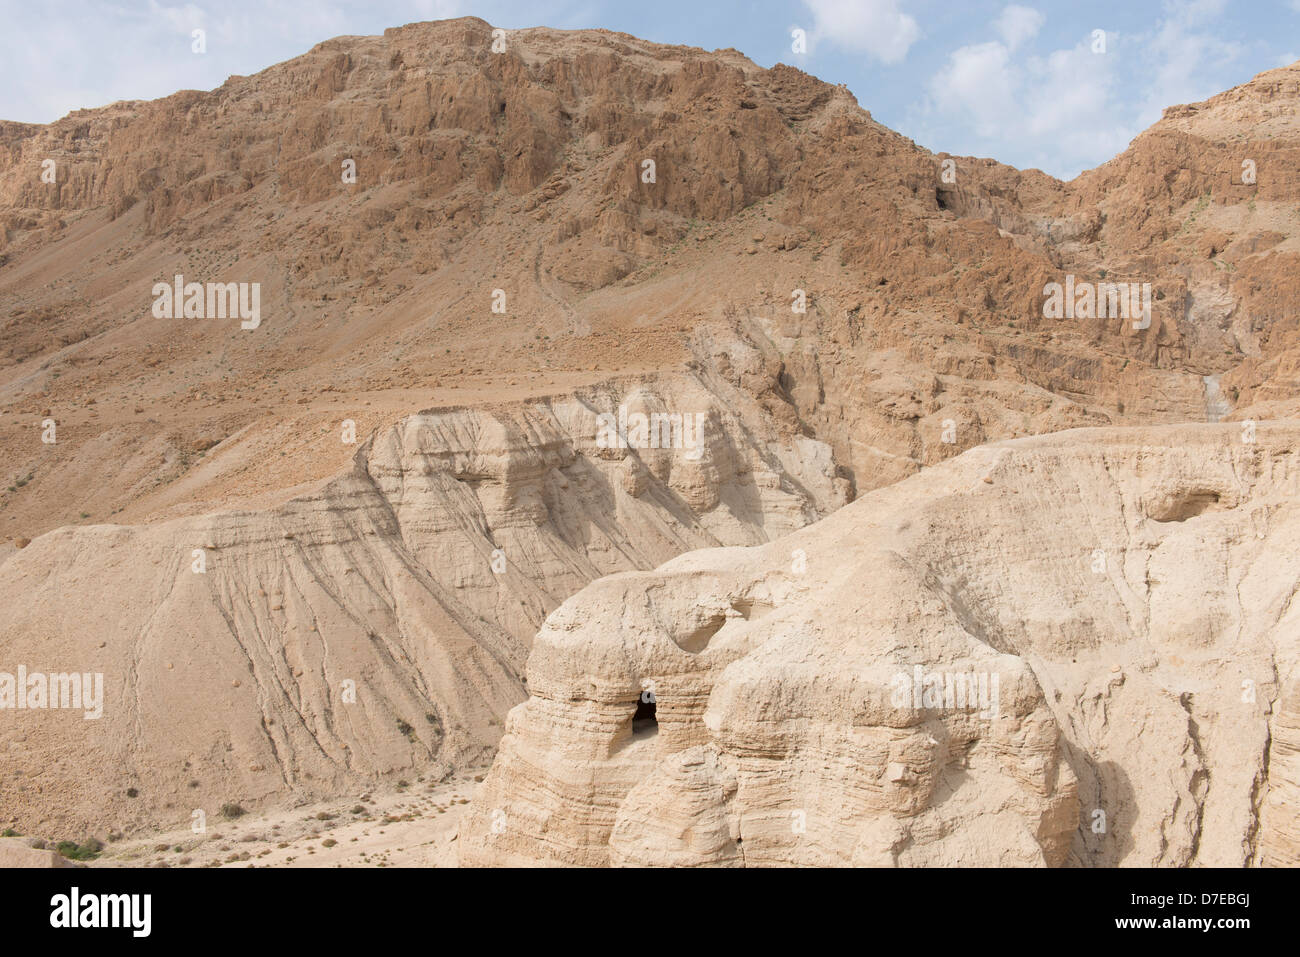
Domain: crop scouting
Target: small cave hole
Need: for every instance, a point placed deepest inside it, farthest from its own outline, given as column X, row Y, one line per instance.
column 645, row 721
column 1187, row 505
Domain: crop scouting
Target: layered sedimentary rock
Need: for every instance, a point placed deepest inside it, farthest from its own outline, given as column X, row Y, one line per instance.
column 377, row 624
column 1076, row 649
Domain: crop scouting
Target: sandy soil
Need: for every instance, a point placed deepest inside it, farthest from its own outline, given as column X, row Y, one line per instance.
column 406, row 827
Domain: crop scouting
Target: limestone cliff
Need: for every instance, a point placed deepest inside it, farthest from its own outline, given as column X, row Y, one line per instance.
column 1119, row 605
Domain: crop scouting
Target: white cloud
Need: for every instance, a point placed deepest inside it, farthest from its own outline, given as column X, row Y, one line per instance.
column 1070, row 100
column 1070, row 109
column 1196, row 13
column 1018, row 24
column 183, row 19
column 1188, row 60
column 878, row 28
column 1057, row 108
column 980, row 82
column 140, row 50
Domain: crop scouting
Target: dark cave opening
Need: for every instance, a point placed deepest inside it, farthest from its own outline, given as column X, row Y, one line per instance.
column 645, row 721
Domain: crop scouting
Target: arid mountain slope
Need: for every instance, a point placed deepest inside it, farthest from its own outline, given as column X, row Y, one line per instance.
column 522, row 171
column 580, row 224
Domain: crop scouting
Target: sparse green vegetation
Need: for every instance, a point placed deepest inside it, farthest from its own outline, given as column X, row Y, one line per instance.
column 1199, row 208
column 86, row 851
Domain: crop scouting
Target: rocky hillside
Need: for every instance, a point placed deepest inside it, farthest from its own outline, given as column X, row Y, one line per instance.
column 374, row 627
column 464, row 257
column 522, row 171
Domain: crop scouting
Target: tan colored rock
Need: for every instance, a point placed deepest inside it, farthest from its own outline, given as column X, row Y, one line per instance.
column 520, row 172
column 376, row 624
column 1082, row 663
column 17, row 852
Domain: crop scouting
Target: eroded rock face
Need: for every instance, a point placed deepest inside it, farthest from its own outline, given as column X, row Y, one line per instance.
column 521, row 171
column 1116, row 604
column 550, row 490
column 377, row 624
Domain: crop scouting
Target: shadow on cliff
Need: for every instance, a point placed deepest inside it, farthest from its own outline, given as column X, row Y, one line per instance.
column 1107, row 804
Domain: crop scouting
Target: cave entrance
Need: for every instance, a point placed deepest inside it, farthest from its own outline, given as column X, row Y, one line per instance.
column 644, row 721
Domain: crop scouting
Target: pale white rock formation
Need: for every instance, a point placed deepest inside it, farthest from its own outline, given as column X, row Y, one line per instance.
column 373, row 627
column 1126, row 597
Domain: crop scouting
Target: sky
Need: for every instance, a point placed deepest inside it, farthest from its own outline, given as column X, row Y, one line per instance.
column 1061, row 86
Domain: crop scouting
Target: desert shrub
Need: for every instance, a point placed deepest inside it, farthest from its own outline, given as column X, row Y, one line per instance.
column 86, row 851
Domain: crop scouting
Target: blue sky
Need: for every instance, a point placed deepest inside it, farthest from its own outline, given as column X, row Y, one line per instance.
column 1019, row 82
